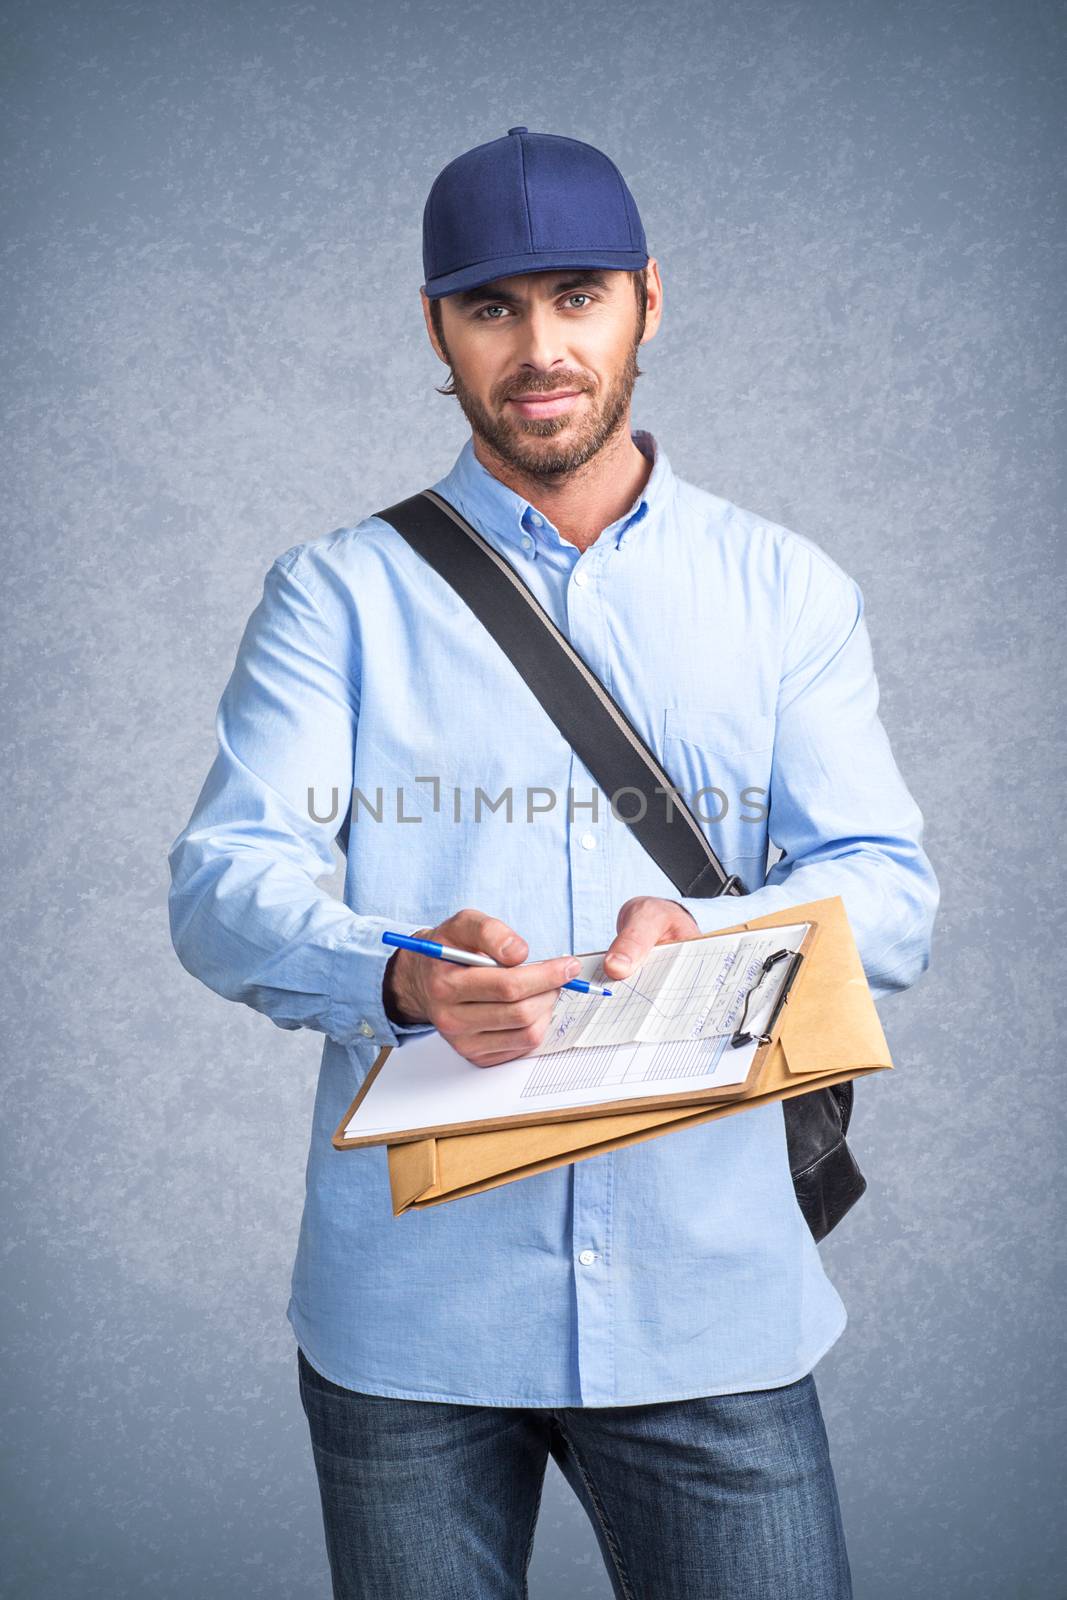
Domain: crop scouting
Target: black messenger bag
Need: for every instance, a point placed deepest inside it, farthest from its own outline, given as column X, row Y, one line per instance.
column 826, row 1177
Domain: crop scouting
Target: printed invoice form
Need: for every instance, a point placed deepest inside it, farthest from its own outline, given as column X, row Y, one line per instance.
column 691, row 989
column 666, row 1027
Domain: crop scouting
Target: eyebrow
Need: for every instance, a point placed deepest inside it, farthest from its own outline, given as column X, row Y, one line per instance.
column 485, row 293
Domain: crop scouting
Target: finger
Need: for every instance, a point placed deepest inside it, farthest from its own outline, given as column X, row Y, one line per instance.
column 459, row 985
column 492, row 1049
column 641, row 928
column 487, row 1016
column 476, row 930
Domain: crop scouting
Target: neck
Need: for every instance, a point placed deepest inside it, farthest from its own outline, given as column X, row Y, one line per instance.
column 579, row 504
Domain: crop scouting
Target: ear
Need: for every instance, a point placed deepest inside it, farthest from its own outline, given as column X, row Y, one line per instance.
column 654, row 311
column 430, row 328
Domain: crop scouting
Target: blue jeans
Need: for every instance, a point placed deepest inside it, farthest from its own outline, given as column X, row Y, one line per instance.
column 730, row 1497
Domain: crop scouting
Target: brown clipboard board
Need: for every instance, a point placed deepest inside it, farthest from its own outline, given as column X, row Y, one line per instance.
column 682, row 1100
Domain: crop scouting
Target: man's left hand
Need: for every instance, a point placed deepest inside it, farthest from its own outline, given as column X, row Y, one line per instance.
column 642, row 923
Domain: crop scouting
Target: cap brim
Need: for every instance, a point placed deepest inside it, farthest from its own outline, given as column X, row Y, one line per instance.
column 541, row 261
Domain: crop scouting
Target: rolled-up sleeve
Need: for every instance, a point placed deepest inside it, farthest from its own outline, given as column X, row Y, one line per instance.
column 246, row 917
column 838, row 807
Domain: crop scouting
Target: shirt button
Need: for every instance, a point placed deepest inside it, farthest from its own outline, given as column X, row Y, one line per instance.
column 527, row 542
column 535, row 520
column 366, row 1029
column 588, row 841
column 587, row 1258
column 581, row 577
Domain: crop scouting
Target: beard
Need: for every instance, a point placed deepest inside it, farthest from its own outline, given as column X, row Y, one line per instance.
column 533, row 445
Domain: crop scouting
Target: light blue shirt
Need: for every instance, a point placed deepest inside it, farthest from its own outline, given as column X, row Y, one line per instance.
column 679, row 1266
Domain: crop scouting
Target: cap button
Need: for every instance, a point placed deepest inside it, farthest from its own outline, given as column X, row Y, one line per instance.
column 518, row 130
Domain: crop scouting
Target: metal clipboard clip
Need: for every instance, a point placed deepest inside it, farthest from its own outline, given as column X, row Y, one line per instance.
column 739, row 1036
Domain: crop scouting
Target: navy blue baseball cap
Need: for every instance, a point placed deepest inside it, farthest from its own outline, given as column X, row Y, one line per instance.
column 527, row 203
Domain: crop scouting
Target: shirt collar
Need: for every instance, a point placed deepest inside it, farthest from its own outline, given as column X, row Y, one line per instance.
column 494, row 508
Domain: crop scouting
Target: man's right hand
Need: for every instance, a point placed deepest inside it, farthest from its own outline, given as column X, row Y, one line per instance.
column 488, row 1015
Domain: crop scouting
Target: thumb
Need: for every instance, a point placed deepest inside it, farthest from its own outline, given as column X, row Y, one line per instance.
column 644, row 922
column 641, row 923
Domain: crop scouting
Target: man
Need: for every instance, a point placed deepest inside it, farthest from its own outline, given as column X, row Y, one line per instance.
column 651, row 1316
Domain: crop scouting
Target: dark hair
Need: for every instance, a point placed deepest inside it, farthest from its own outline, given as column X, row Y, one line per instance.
column 637, row 278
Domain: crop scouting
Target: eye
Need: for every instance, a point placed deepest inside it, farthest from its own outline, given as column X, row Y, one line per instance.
column 481, row 314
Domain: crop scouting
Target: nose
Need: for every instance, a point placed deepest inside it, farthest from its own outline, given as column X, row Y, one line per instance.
column 541, row 342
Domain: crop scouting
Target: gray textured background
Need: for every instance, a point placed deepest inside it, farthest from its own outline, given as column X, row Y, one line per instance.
column 215, row 349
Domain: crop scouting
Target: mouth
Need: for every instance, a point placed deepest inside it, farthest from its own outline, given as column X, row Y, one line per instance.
column 544, row 405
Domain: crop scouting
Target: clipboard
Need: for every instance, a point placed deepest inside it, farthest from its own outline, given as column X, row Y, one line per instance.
column 788, row 982
column 830, row 1032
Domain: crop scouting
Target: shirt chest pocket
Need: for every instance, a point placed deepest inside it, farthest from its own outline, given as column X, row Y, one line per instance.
column 725, row 750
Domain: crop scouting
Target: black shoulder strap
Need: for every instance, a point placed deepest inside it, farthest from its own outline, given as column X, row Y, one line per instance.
column 572, row 695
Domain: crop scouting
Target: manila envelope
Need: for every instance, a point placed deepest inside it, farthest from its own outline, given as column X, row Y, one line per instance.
column 829, row 1031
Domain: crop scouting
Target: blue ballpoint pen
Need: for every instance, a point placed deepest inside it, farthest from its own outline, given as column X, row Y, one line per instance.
column 468, row 958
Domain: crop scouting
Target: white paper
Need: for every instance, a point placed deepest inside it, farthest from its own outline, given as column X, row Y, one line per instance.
column 690, row 989
column 427, row 1084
